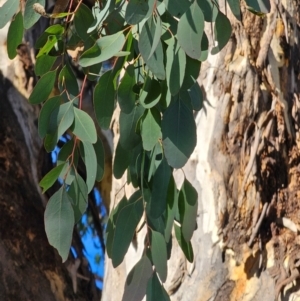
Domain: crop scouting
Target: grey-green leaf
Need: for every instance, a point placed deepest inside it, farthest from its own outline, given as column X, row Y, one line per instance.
column 155, row 291
column 83, row 126
column 190, row 31
column 99, row 150
column 179, row 133
column 59, row 222
column 177, row 7
column 104, row 99
column 185, row 247
column 30, row 16
column 137, row 279
column 235, row 8
column 51, row 177
column 136, row 11
column 159, row 254
column 89, row 158
column 43, row 64
column 7, row 10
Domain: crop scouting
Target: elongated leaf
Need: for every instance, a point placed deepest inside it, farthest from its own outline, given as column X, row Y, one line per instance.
column 51, row 141
column 51, row 177
column 99, row 150
column 121, row 161
column 185, row 247
column 159, row 254
column 126, row 96
column 43, row 64
column 67, row 80
column 161, row 179
column 30, row 16
column 104, row 49
column 156, row 61
column 177, row 7
column 56, row 30
column 262, row 6
column 192, row 70
column 196, row 96
column 14, row 35
column 155, row 291
column 136, row 11
column 137, row 279
column 104, row 99
column 83, row 126
column 79, row 196
column 157, row 35
column 175, row 67
column 179, row 133
column 89, row 158
column 190, row 31
column 100, row 15
column 187, row 206
column 43, row 88
column 209, row 9
column 7, row 10
column 82, row 21
column 61, row 119
column 222, row 32
column 235, row 8
column 155, row 159
column 151, row 130
column 46, row 111
column 150, row 93
column 59, row 222
column 51, row 42
column 128, row 137
column 126, row 224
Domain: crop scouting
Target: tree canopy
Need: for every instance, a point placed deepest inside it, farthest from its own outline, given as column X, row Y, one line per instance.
column 155, row 48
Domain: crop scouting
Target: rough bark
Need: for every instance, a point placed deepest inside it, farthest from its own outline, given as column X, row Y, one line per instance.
column 245, row 168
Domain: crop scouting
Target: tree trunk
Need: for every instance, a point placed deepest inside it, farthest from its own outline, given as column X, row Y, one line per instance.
column 30, row 269
column 245, row 168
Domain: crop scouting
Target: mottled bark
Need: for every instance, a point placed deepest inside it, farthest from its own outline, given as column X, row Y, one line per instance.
column 245, row 168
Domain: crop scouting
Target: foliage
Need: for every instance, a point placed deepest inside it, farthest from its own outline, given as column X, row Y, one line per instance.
column 158, row 47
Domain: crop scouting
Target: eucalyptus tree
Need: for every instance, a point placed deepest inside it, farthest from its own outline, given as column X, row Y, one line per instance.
column 203, row 202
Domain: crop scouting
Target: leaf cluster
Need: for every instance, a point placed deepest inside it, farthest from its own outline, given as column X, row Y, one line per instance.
column 156, row 48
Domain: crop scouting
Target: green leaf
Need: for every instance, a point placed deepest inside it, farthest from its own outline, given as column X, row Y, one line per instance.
column 43, row 88
column 187, row 206
column 136, row 11
column 65, row 153
column 204, row 48
column 156, row 61
column 82, row 21
column 185, row 247
column 126, row 96
column 51, row 177
column 100, row 15
column 14, row 35
column 161, row 179
column 179, row 133
column 30, row 16
column 222, row 32
column 43, row 64
column 155, row 291
column 175, row 67
column 196, row 96
column 235, row 8
column 121, row 161
column 157, row 35
column 177, row 7
column 99, row 150
column 150, row 93
column 7, row 10
column 83, row 126
column 192, row 70
column 51, row 42
column 190, row 31
column 128, row 137
column 104, row 100
column 50, row 141
column 59, row 222
column 262, row 6
column 89, row 158
column 209, row 10
column 151, row 131
column 61, row 119
column 126, row 224
column 68, row 81
column 159, row 254
column 155, row 159
column 56, row 30
column 50, row 105
column 79, row 196
column 137, row 279
column 104, row 49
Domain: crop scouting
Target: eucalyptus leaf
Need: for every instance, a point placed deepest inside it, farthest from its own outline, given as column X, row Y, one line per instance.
column 30, row 16
column 7, row 10
column 186, row 247
column 14, row 35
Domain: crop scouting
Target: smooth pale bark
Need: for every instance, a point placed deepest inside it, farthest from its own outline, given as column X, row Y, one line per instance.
column 245, row 169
